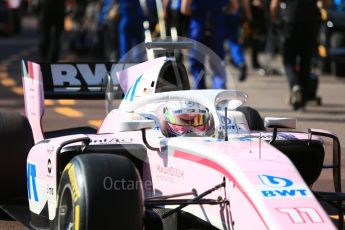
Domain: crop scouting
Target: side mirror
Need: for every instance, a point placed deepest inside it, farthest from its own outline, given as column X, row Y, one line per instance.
column 135, row 125
column 230, row 105
column 279, row 122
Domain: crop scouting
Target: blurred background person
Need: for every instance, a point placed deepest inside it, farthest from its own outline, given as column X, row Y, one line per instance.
column 51, row 14
column 107, row 29
column 332, row 38
column 207, row 27
column 130, row 28
column 174, row 18
column 257, row 23
column 301, row 21
column 339, row 5
column 233, row 22
column 151, row 15
column 80, row 24
column 272, row 44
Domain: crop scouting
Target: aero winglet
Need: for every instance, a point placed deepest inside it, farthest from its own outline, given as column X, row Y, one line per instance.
column 23, row 69
column 33, row 97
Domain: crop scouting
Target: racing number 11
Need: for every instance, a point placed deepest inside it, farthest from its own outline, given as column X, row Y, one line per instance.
column 31, row 180
column 296, row 216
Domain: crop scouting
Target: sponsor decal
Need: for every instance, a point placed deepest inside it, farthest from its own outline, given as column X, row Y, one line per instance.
column 73, row 180
column 280, row 136
column 214, row 140
column 231, row 138
column 117, row 141
column 169, row 174
column 31, row 181
column 75, row 188
column 280, row 187
column 231, row 125
column 190, row 103
column 77, row 217
column 243, row 138
column 265, row 137
column 301, row 215
column 50, row 190
column 49, row 166
column 131, row 92
column 222, row 119
column 287, row 136
column 276, row 182
column 114, row 140
column 148, row 91
column 80, row 75
column 171, row 171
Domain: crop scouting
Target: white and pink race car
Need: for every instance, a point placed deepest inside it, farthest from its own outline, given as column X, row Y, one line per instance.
column 133, row 173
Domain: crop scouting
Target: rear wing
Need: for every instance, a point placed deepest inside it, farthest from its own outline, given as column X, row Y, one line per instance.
column 90, row 80
column 66, row 81
column 80, row 80
column 96, row 81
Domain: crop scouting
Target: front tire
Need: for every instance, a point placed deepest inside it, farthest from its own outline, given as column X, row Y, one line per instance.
column 89, row 199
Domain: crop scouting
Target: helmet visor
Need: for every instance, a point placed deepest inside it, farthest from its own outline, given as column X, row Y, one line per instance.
column 192, row 117
column 179, row 130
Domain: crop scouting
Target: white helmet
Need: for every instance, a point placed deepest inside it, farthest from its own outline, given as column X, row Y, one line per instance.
column 185, row 117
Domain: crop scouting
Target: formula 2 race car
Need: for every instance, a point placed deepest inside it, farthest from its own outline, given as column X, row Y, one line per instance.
column 167, row 158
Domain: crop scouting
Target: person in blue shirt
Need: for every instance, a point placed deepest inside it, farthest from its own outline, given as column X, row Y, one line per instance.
column 131, row 31
column 232, row 30
column 207, row 27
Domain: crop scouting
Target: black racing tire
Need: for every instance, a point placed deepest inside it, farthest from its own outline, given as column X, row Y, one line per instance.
column 254, row 120
column 16, row 140
column 96, row 192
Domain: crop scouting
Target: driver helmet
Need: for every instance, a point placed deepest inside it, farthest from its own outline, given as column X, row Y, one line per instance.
column 186, row 117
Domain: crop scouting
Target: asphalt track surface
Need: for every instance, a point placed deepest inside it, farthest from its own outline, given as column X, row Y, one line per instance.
column 266, row 94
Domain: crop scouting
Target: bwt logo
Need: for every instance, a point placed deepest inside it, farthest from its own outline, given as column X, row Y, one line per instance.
column 276, row 182
column 280, row 187
column 77, row 75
